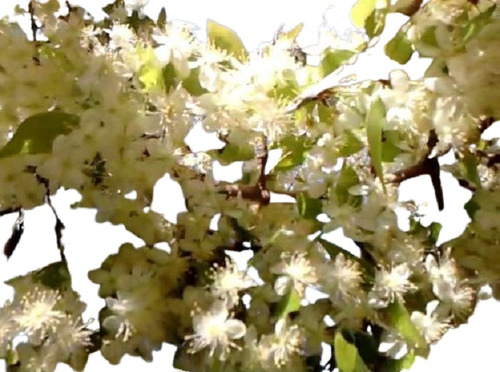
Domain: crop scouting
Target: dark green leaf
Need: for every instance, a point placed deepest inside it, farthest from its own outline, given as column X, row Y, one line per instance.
column 434, row 229
column 162, row 18
column 226, row 39
column 192, row 83
column 36, row 134
column 375, row 23
column 108, row 9
column 347, row 356
column 54, row 276
column 399, row 48
column 397, row 365
column 169, row 77
column 471, row 207
column 308, row 207
column 333, row 250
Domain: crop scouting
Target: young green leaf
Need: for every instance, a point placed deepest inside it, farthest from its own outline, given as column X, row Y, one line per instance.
column 226, row 39
column 347, row 356
column 399, row 48
column 400, row 319
column 361, row 11
column 375, row 122
column 36, row 134
column 332, row 59
column 288, row 304
column 308, row 207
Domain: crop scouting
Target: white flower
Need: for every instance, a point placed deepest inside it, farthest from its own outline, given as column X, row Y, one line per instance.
column 456, row 297
column 213, row 329
column 286, row 341
column 341, row 279
column 391, row 285
column 297, row 273
column 36, row 314
column 430, row 326
column 71, row 335
column 228, row 281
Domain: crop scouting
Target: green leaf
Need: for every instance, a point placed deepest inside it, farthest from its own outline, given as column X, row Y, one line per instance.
column 288, row 304
column 333, row 250
column 162, row 18
column 294, row 152
column 332, row 59
column 350, row 144
column 375, row 23
column 36, row 134
column 293, row 33
column 399, row 48
column 347, row 357
column 361, row 11
column 397, row 365
column 54, row 276
column 429, row 37
column 192, row 83
column 108, row 9
column 226, row 39
column 390, row 149
column 433, row 230
column 375, row 122
column 469, row 166
column 470, row 30
column 232, row 152
column 169, row 77
column 347, row 179
column 308, row 207
column 471, row 207
column 400, row 319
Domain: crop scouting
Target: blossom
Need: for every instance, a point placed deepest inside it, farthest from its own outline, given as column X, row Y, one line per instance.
column 228, row 280
column 286, row 341
column 430, row 325
column 391, row 285
column 297, row 272
column 37, row 315
column 341, row 278
column 216, row 330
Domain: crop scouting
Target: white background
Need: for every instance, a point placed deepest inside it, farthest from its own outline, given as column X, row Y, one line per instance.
column 472, row 347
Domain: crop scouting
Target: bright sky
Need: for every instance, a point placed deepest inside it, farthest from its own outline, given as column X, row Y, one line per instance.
column 472, row 347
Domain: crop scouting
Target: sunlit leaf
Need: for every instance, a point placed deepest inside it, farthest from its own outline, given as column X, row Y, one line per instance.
column 294, row 152
column 361, row 11
column 288, row 304
column 347, row 356
column 375, row 122
column 231, row 153
column 293, row 33
column 399, row 48
column 332, row 59
column 375, row 23
column 226, row 39
column 400, row 319
column 36, row 134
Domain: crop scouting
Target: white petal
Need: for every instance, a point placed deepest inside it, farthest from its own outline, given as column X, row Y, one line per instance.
column 235, row 328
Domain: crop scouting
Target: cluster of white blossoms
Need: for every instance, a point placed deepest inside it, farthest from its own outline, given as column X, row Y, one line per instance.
column 106, row 107
column 43, row 326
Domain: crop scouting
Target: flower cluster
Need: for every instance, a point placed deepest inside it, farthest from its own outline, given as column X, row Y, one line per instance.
column 106, row 107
